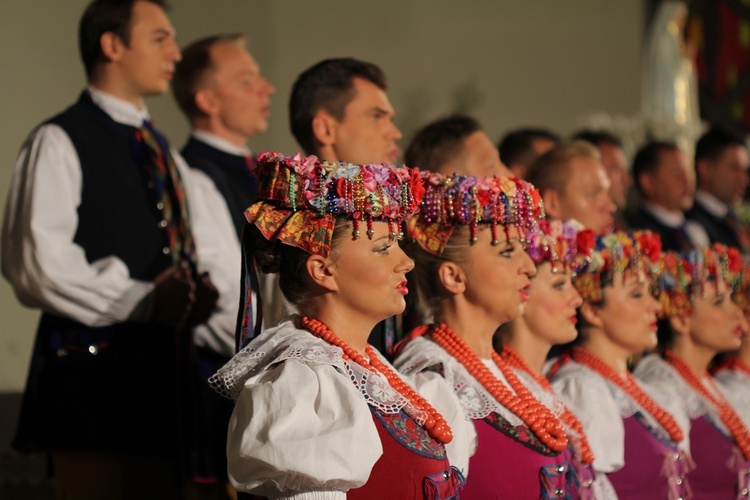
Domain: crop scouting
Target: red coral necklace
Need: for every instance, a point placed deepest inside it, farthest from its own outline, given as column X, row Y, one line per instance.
column 435, row 425
column 632, row 389
column 513, row 359
column 537, row 417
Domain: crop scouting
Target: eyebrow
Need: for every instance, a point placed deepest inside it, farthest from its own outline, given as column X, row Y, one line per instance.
column 162, row 31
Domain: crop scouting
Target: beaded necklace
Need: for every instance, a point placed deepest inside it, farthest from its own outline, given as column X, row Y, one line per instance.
column 727, row 414
column 513, row 359
column 435, row 425
column 537, row 417
column 629, row 385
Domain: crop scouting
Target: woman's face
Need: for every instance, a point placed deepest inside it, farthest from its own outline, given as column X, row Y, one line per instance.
column 716, row 321
column 371, row 273
column 550, row 312
column 629, row 313
column 497, row 277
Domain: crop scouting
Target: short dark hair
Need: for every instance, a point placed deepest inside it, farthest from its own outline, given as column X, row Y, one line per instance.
column 516, row 146
column 597, row 137
column 647, row 159
column 189, row 72
column 439, row 141
column 103, row 16
column 327, row 85
column 712, row 144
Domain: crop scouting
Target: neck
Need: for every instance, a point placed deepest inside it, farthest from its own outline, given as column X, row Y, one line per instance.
column 532, row 349
column 697, row 358
column 116, row 88
column 328, row 154
column 744, row 353
column 354, row 329
column 475, row 329
column 219, row 130
column 597, row 343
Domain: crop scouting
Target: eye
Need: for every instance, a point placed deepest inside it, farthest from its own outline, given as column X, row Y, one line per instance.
column 559, row 285
column 383, row 250
column 507, row 252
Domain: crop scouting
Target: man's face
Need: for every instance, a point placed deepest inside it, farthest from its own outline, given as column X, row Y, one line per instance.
column 669, row 186
column 727, row 179
column 616, row 166
column 146, row 65
column 477, row 157
column 366, row 133
column 240, row 93
column 586, row 197
column 539, row 146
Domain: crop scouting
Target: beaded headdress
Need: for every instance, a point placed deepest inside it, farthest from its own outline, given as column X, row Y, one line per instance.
column 741, row 294
column 566, row 245
column 683, row 276
column 301, row 197
column 451, row 201
column 615, row 255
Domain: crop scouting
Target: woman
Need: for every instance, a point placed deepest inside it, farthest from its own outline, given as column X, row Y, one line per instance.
column 559, row 250
column 702, row 322
column 635, row 441
column 473, row 276
column 319, row 413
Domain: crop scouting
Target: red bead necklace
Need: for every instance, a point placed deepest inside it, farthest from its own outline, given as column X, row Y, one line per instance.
column 632, row 389
column 514, row 360
column 435, row 425
column 726, row 412
column 537, row 417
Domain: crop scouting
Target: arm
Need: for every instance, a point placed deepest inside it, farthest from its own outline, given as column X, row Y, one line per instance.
column 301, row 431
column 39, row 258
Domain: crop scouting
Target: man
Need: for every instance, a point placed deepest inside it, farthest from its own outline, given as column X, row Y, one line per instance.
column 721, row 163
column 219, row 87
column 339, row 111
column 106, row 232
column 521, row 147
column 574, row 185
column 613, row 159
column 456, row 144
column 661, row 178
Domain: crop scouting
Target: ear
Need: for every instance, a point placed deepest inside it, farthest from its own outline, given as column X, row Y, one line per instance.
column 205, row 100
column 703, row 170
column 646, row 182
column 551, row 203
column 111, row 45
column 452, row 277
column 679, row 325
column 319, row 270
column 324, row 128
column 591, row 314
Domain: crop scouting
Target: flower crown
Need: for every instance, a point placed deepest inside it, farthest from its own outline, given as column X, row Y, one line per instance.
column 450, row 201
column 614, row 255
column 301, row 197
column 566, row 245
column 684, row 275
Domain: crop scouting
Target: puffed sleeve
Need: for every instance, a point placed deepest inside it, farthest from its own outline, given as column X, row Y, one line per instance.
column 301, row 431
column 590, row 400
column 438, row 392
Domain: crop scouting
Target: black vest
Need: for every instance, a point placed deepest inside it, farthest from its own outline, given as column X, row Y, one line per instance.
column 717, row 229
column 672, row 238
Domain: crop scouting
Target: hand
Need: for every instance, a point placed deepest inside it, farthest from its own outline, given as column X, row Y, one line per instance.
column 206, row 299
column 174, row 291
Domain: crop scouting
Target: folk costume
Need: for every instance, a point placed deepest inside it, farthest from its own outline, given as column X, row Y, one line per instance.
column 313, row 418
column 638, row 444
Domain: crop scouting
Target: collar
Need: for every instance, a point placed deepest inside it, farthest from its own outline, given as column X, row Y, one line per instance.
column 712, row 204
column 666, row 217
column 118, row 109
column 220, row 143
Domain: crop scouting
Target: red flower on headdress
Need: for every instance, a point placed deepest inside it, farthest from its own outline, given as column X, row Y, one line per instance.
column 484, row 197
column 417, row 188
column 341, row 187
column 734, row 259
column 585, row 241
column 650, row 244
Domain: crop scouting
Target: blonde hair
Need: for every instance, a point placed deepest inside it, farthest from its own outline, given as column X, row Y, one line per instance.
column 551, row 171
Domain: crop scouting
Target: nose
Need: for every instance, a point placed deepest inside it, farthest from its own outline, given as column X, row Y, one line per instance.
column 527, row 265
column 270, row 89
column 576, row 299
column 655, row 304
column 405, row 264
column 395, row 132
column 174, row 51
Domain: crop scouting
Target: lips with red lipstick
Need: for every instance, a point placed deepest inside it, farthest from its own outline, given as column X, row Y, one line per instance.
column 403, row 288
column 654, row 325
column 524, row 292
column 573, row 319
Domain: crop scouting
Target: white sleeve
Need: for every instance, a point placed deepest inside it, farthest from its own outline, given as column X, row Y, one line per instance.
column 39, row 258
column 218, row 254
column 438, row 392
column 299, row 428
column 590, row 400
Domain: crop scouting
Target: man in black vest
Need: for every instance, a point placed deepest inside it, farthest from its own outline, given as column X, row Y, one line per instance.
column 661, row 178
column 106, row 231
column 219, row 87
column 721, row 163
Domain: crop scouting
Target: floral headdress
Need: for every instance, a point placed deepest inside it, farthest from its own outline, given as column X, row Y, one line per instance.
column 741, row 294
column 301, row 197
column 614, row 256
column 684, row 275
column 566, row 245
column 465, row 200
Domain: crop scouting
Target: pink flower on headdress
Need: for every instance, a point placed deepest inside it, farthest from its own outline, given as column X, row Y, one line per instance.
column 304, row 165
